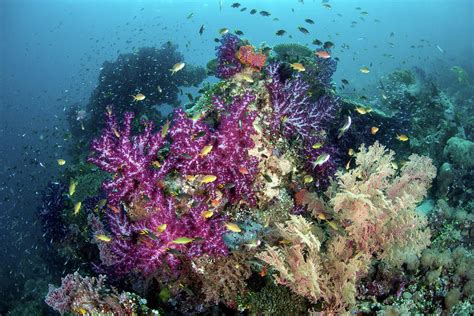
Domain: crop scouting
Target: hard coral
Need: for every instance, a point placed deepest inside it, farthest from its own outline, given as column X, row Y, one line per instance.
column 247, row 56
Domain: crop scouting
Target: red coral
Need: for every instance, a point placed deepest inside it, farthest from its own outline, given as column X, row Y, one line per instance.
column 247, row 56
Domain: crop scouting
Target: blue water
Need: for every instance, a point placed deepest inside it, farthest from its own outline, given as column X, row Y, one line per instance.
column 51, row 53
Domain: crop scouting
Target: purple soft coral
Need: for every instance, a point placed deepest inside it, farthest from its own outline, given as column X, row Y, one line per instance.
column 228, row 160
column 129, row 159
column 292, row 110
column 147, row 245
column 228, row 64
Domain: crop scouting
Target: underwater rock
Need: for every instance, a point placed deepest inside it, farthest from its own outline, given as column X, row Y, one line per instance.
column 460, row 151
column 444, row 179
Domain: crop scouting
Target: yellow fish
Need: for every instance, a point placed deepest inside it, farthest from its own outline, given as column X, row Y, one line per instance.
column 161, row 228
column 233, row 227
column 77, row 208
column 207, row 214
column 362, row 110
column 364, row 70
column 182, row 240
column 247, row 78
column 165, row 128
column 72, row 188
column 190, row 177
column 298, row 67
column 317, row 145
column 206, row 150
column 177, row 67
column 351, row 152
column 61, row 162
column 138, row 97
column 374, row 130
column 104, row 238
column 402, row 137
column 332, row 225
column 208, row 178
column 307, row 179
column 223, row 31
column 116, row 133
column 156, row 164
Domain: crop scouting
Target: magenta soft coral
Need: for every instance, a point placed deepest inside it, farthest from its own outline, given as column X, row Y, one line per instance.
column 228, row 160
column 129, row 158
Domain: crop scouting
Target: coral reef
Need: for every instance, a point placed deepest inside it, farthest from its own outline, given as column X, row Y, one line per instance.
column 266, row 194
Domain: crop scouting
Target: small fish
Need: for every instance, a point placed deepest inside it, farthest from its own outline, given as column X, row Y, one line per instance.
column 440, row 49
column 364, row 70
column 348, row 164
column 317, row 145
column 205, row 150
column 374, row 130
column 303, row 30
column 61, row 162
column 190, row 15
column 233, row 227
column 243, row 170
column 309, row 21
column 215, row 202
column 307, row 179
column 322, row 159
column 265, row 13
column 384, row 96
column 280, row 33
column 116, row 133
column 223, row 31
column 402, row 137
column 322, row 54
column 161, row 228
column 235, row 5
column 253, row 11
column 344, row 81
column 104, row 238
column 199, row 135
column 328, row 45
column 177, row 67
column 182, row 240
column 148, row 233
column 327, row 5
column 243, row 9
column 201, row 29
column 364, row 13
column 208, row 178
column 263, row 272
column 138, row 97
column 362, row 110
column 156, row 164
column 77, row 208
column 238, row 32
column 267, row 177
column 332, row 225
column 159, row 89
column 207, row 214
column 394, row 165
column 165, row 128
column 72, row 188
column 351, row 152
column 247, row 78
column 317, row 42
column 190, row 97
column 345, row 127
column 298, row 67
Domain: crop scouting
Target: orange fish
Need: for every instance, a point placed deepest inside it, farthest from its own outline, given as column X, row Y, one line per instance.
column 263, row 272
column 374, row 130
column 215, row 202
column 322, row 54
column 114, row 209
column 243, row 170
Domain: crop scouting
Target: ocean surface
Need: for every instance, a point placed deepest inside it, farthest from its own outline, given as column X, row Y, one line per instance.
column 52, row 54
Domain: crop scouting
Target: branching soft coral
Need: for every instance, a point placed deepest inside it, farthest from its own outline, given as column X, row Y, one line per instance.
column 297, row 263
column 377, row 209
column 223, row 278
